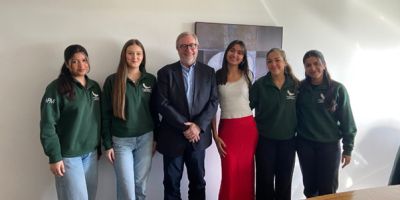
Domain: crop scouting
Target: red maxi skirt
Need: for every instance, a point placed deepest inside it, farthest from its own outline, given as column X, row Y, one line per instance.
column 240, row 136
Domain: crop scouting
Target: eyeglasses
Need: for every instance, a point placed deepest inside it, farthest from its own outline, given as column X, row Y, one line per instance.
column 188, row 46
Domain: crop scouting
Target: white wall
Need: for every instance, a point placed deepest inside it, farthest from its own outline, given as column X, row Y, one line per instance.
column 359, row 38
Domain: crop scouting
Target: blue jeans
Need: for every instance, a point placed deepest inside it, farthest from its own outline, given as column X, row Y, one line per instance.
column 132, row 165
column 80, row 178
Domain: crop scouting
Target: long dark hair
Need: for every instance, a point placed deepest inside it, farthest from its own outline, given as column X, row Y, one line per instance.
column 288, row 69
column 119, row 89
column 330, row 102
column 222, row 74
column 65, row 79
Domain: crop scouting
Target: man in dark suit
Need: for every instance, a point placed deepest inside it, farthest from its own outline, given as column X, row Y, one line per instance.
column 187, row 100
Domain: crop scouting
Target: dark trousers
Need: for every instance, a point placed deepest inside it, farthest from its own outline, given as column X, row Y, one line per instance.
column 319, row 163
column 274, row 168
column 395, row 175
column 173, row 169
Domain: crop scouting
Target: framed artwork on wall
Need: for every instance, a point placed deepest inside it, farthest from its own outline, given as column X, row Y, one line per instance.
column 215, row 37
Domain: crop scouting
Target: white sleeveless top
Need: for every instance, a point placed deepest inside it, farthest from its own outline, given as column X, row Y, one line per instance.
column 234, row 99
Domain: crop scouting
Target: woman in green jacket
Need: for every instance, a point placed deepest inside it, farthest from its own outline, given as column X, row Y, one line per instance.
column 273, row 97
column 129, row 120
column 70, row 127
column 324, row 118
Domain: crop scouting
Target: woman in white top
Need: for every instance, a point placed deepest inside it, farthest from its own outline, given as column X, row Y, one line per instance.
column 236, row 137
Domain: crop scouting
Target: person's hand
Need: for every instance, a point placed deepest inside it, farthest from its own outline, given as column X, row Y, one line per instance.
column 110, row 155
column 345, row 160
column 57, row 168
column 220, row 146
column 191, row 136
column 192, row 133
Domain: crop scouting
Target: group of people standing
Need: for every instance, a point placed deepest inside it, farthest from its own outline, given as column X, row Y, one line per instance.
column 175, row 114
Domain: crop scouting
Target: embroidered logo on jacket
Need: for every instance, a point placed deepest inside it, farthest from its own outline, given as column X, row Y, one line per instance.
column 322, row 99
column 95, row 96
column 290, row 95
column 146, row 88
column 50, row 100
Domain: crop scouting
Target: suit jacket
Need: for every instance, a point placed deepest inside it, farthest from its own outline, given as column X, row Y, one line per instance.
column 173, row 107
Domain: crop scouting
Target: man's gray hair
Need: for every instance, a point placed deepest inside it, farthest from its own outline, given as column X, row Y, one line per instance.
column 184, row 34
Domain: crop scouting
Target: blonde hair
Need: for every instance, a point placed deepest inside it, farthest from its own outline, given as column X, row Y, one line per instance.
column 119, row 89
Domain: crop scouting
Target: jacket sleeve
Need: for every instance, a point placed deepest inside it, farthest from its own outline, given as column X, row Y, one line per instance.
column 164, row 107
column 153, row 110
column 106, row 114
column 208, row 113
column 49, row 117
column 253, row 96
column 347, row 125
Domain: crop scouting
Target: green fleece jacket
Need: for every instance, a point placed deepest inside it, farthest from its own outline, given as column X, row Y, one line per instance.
column 275, row 109
column 141, row 116
column 317, row 123
column 70, row 128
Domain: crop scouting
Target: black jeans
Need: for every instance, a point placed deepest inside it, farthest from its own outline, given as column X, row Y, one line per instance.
column 173, row 169
column 274, row 168
column 319, row 163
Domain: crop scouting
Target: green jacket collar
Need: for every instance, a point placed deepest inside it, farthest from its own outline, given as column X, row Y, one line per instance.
column 268, row 80
column 89, row 83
